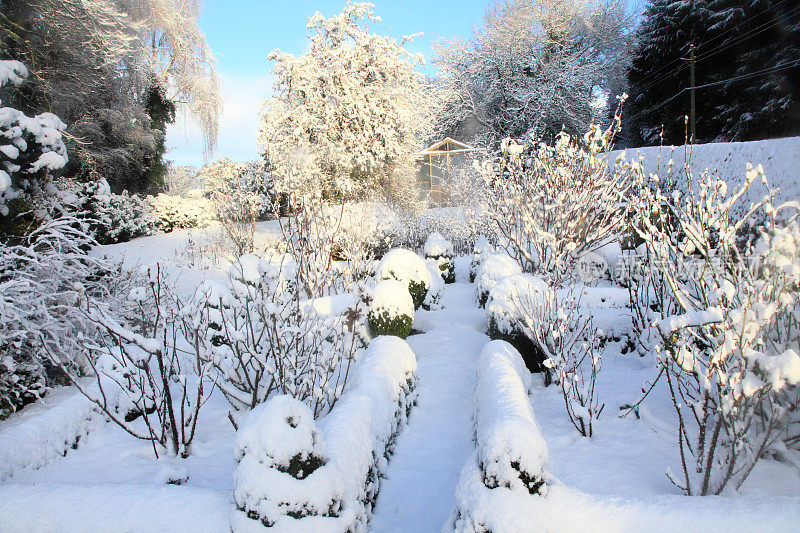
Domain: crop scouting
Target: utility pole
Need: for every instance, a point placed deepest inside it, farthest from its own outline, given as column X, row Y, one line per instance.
column 691, row 81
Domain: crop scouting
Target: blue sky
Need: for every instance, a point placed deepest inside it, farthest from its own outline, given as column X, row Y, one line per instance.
column 242, row 33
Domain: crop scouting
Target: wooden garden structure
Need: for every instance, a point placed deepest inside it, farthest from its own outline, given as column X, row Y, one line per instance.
column 436, row 165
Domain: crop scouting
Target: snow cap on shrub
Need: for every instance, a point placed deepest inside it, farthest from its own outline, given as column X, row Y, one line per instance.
column 493, row 269
column 393, row 297
column 392, row 309
column 408, row 268
column 506, row 299
column 437, row 246
column 278, row 431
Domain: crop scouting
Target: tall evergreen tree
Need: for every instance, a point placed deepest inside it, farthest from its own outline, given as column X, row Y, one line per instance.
column 747, row 71
column 757, row 48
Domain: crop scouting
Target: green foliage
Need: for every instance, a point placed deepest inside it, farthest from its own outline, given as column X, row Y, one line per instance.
column 381, row 323
column 418, row 292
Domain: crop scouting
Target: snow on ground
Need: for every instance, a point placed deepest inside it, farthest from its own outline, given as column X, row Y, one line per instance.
column 419, row 492
column 780, row 159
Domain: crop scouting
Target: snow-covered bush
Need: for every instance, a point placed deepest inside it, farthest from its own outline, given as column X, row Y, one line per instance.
column 262, row 339
column 408, row 268
column 440, row 250
column 150, row 375
column 482, row 250
column 40, row 274
column 549, row 205
column 177, row 212
column 505, row 314
column 511, row 456
column 241, row 194
column 112, row 218
column 493, row 269
column 433, row 300
column 724, row 305
column 458, row 225
column 367, row 231
column 391, row 311
column 30, row 147
column 297, row 473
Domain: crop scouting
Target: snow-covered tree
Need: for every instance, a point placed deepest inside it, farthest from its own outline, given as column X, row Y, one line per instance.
column 745, row 54
column 113, row 70
column 534, row 68
column 348, row 114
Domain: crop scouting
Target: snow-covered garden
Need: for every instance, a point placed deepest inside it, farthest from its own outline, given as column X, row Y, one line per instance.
column 575, row 337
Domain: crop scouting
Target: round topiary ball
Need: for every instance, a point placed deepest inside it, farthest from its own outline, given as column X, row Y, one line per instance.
column 391, row 311
column 409, row 269
column 482, row 250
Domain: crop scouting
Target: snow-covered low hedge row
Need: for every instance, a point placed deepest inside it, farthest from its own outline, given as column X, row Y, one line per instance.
column 39, row 440
column 511, row 457
column 295, row 473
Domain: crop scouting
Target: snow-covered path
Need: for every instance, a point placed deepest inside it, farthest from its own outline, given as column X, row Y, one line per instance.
column 418, row 493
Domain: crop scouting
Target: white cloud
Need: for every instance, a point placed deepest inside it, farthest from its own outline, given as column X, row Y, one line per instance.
column 242, row 97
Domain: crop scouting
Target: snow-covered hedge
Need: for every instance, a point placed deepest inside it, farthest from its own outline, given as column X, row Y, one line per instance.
column 441, row 251
column 391, row 311
column 511, row 457
column 408, row 268
column 493, row 269
column 481, row 251
column 297, row 474
column 39, row 440
column 506, row 308
column 176, row 212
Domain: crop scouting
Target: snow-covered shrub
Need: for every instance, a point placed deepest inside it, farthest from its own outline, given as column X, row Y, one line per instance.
column 457, row 225
column 151, row 380
column 367, row 231
column 441, row 251
column 408, row 268
column 433, row 299
column 177, row 212
column 493, row 269
column 298, row 473
column 505, row 314
column 482, row 250
column 511, row 456
column 391, row 311
column 241, row 194
column 30, row 147
column 549, row 205
column 262, row 338
column 40, row 275
column 724, row 309
column 112, row 218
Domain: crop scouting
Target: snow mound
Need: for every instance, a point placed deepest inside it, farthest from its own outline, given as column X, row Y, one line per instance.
column 481, row 251
column 341, row 457
column 392, row 297
column 511, row 456
column 493, row 269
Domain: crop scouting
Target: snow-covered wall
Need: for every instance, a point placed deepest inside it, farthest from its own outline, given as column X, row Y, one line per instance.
column 780, row 159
